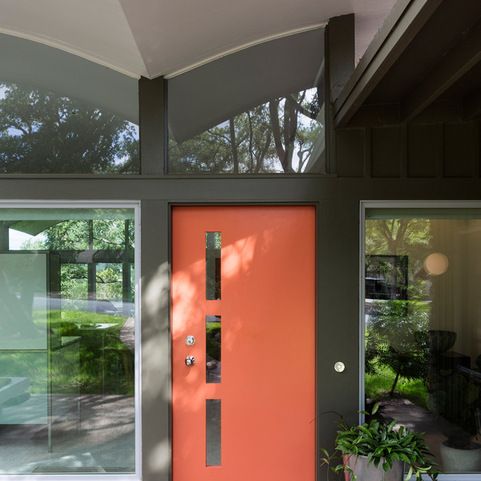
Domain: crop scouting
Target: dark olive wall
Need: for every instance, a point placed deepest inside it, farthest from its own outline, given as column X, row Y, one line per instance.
column 337, row 200
column 430, row 150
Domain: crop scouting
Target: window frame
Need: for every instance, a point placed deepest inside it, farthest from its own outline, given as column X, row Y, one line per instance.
column 135, row 205
column 397, row 204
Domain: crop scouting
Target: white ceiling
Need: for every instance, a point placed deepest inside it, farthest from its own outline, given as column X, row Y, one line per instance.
column 166, row 37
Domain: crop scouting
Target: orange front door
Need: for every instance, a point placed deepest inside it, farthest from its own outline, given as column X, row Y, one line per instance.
column 243, row 337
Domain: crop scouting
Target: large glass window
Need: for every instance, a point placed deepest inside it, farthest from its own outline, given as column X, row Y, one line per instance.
column 257, row 111
column 422, row 316
column 67, row 340
column 63, row 114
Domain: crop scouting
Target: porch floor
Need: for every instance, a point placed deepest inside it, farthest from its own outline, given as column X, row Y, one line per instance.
column 90, row 433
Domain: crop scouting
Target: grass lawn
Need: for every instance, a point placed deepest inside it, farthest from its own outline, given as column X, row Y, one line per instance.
column 379, row 384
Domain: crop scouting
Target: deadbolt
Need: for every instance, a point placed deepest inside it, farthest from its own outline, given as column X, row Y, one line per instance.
column 189, row 361
column 189, row 340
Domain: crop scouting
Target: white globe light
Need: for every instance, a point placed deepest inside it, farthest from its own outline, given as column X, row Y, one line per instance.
column 436, row 264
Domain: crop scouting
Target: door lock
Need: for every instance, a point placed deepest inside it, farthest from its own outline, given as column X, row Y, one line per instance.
column 189, row 340
column 189, row 361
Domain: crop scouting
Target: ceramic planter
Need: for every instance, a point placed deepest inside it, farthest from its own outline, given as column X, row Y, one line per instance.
column 461, row 460
column 365, row 471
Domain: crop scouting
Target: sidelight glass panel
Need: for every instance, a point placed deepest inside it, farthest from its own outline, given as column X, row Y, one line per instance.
column 213, row 432
column 67, row 341
column 422, row 315
column 213, row 241
column 213, row 337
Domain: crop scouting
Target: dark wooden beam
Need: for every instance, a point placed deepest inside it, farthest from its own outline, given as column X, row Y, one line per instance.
column 377, row 115
column 453, row 66
column 402, row 25
column 339, row 51
column 472, row 106
column 153, row 125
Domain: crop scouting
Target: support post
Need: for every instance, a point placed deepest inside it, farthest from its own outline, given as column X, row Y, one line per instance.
column 339, row 64
column 153, row 126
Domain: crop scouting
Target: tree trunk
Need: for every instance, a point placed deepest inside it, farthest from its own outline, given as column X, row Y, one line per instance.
column 233, row 146
column 394, row 384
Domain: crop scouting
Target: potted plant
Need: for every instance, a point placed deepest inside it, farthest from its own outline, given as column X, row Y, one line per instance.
column 460, row 453
column 380, row 451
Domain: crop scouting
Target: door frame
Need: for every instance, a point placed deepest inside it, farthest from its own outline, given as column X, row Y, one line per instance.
column 317, row 360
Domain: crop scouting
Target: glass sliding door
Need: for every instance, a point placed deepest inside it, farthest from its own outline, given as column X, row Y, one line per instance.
column 422, row 324
column 67, row 340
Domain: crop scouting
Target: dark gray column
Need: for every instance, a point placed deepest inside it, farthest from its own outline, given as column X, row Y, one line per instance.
column 155, row 340
column 4, row 238
column 153, row 125
column 339, row 65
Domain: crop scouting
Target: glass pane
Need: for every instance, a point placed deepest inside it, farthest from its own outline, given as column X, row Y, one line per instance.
column 213, row 241
column 60, row 113
column 213, row 432
column 258, row 111
column 67, row 341
column 213, row 335
column 422, row 318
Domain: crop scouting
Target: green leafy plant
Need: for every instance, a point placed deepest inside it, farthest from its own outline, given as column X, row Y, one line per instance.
column 382, row 444
column 397, row 337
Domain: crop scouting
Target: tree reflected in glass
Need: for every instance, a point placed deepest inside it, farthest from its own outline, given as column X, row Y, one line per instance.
column 283, row 135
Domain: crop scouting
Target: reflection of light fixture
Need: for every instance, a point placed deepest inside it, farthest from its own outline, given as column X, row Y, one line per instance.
column 436, row 264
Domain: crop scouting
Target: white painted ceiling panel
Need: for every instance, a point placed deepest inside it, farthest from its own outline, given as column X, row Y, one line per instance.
column 94, row 29
column 162, row 37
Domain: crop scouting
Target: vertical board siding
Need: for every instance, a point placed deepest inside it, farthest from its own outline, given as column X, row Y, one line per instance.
column 418, row 150
column 387, row 147
column 459, row 149
column 350, row 152
column 425, row 150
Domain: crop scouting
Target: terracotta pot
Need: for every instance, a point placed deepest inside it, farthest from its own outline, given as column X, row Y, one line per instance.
column 365, row 471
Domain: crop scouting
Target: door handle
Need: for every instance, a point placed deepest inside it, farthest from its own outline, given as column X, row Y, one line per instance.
column 189, row 361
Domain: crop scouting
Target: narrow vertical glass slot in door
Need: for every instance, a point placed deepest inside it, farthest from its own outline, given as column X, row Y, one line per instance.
column 213, row 432
column 213, row 244
column 213, row 346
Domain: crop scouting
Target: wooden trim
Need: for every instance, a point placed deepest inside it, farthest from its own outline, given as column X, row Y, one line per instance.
column 453, row 66
column 402, row 25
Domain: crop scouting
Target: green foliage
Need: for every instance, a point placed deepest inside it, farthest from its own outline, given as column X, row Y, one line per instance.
column 74, row 281
column 102, row 355
column 91, row 366
column 106, row 235
column 74, row 234
column 383, row 444
column 396, row 336
column 410, row 237
column 213, row 341
column 42, row 131
column 103, row 363
column 398, row 236
column 379, row 383
column 109, row 281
